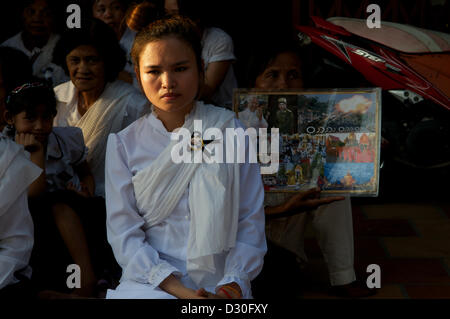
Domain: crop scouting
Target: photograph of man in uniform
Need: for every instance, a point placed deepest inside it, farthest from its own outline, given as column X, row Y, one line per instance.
column 284, row 117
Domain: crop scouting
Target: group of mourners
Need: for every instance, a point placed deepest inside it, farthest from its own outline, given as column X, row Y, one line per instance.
column 87, row 178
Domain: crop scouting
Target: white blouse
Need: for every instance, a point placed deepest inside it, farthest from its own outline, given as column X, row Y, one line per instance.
column 148, row 257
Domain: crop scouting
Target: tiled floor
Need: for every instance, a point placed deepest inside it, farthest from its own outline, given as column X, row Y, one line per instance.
column 410, row 241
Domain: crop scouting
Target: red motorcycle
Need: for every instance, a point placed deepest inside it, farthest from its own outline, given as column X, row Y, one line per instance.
column 416, row 85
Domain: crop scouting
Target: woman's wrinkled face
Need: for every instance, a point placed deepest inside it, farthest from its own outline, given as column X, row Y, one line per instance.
column 110, row 12
column 169, row 74
column 283, row 73
column 86, row 68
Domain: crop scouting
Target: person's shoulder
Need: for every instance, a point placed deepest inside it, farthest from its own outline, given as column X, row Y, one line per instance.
column 11, row 153
column 123, row 88
column 216, row 32
column 68, row 132
column 214, row 109
column 128, row 38
column 12, row 41
column 6, row 142
column 64, row 91
column 54, row 38
column 70, row 137
column 215, row 35
column 132, row 131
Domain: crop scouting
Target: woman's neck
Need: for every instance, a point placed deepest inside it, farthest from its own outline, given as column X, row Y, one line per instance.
column 173, row 120
column 87, row 98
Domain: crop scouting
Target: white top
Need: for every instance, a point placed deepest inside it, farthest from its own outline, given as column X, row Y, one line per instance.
column 217, row 45
column 148, row 257
column 17, row 172
column 126, row 42
column 250, row 119
column 65, row 150
column 42, row 67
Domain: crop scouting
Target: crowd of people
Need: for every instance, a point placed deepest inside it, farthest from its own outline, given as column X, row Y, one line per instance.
column 86, row 175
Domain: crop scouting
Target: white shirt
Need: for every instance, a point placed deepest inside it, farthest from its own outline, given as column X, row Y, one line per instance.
column 217, row 45
column 43, row 67
column 250, row 119
column 17, row 172
column 65, row 150
column 148, row 257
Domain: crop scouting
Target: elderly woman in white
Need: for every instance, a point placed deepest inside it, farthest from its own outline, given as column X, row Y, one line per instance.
column 179, row 230
column 94, row 100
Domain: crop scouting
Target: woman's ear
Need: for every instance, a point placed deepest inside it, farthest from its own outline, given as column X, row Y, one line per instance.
column 8, row 117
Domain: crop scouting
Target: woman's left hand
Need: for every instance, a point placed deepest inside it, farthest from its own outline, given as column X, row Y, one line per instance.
column 230, row 291
column 85, row 192
column 202, row 292
column 309, row 199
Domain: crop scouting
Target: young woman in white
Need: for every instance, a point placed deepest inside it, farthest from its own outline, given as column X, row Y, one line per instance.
column 179, row 230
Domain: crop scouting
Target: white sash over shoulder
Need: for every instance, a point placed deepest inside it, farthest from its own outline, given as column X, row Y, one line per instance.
column 213, row 198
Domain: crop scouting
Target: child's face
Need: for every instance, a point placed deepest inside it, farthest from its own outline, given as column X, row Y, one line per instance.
column 110, row 12
column 169, row 74
column 39, row 123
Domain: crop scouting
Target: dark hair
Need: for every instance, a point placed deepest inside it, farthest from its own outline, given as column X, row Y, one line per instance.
column 181, row 27
column 123, row 3
column 97, row 34
column 200, row 11
column 264, row 54
column 15, row 68
column 27, row 97
column 52, row 5
column 54, row 8
column 139, row 15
